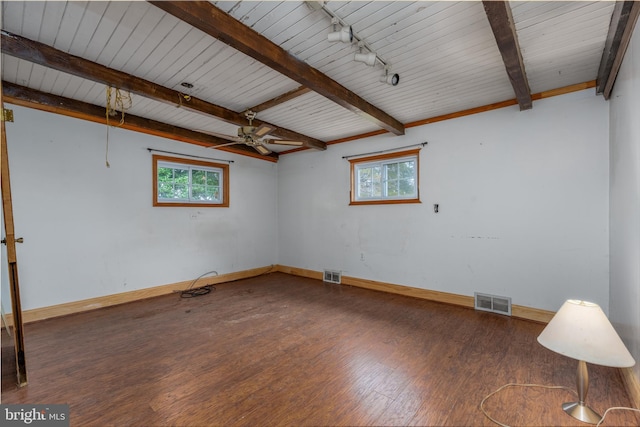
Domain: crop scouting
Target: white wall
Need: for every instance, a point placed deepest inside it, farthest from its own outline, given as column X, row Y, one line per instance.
column 625, row 201
column 523, row 210
column 92, row 231
column 523, row 207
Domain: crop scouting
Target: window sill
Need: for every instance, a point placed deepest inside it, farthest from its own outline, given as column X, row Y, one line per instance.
column 190, row 205
column 384, row 202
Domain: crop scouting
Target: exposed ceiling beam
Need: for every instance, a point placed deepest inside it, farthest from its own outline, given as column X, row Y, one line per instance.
column 213, row 21
column 27, row 97
column 504, row 30
column 280, row 99
column 475, row 110
column 623, row 20
column 42, row 54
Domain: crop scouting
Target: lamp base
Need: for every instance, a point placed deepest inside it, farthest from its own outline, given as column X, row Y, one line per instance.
column 581, row 412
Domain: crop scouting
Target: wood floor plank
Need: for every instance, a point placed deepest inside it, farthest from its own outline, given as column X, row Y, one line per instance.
column 281, row 350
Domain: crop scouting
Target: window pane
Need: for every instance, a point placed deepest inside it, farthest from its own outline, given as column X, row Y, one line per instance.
column 407, row 187
column 392, row 179
column 165, row 174
column 181, row 176
column 392, row 188
column 173, row 183
column 370, row 182
column 377, row 181
column 181, row 191
column 165, row 183
column 198, row 192
column 407, row 169
column 406, row 184
column 386, row 179
column 213, row 178
column 198, row 177
column 190, row 181
column 205, row 185
column 364, row 182
column 165, row 190
column 392, row 171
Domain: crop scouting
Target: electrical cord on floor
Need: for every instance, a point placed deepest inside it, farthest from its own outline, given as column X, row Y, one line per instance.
column 196, row 292
column 518, row 385
column 192, row 292
column 616, row 408
column 547, row 387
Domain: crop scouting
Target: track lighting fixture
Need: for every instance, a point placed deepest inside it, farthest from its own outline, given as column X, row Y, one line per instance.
column 389, row 78
column 368, row 58
column 344, row 34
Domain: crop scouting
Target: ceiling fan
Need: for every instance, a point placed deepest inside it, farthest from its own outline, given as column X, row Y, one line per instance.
column 253, row 136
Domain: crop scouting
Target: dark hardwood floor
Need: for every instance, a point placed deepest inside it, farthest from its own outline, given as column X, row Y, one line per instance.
column 284, row 350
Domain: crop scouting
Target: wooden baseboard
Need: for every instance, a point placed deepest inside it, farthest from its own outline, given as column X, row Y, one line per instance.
column 530, row 313
column 43, row 313
column 522, row 312
column 632, row 384
column 302, row 272
column 124, row 297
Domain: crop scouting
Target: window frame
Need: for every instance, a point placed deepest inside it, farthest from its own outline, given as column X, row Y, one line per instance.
column 190, row 163
column 383, row 159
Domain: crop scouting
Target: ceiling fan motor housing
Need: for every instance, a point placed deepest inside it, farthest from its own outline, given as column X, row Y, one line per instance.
column 245, row 131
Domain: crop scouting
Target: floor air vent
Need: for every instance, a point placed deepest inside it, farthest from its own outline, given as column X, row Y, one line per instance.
column 493, row 303
column 332, row 276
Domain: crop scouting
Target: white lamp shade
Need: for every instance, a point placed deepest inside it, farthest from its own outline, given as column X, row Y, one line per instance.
column 581, row 330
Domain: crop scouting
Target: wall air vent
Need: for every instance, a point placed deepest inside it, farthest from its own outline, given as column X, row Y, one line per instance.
column 493, row 303
column 332, row 276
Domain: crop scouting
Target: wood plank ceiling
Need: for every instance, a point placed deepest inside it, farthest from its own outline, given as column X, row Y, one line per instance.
column 274, row 57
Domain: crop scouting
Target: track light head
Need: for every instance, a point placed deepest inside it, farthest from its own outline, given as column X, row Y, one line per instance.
column 344, row 35
column 390, row 79
column 367, row 58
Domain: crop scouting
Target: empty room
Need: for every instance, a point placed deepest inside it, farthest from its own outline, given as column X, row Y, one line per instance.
column 320, row 213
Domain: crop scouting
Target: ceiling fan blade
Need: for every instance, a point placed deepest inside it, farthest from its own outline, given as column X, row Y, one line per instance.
column 283, row 142
column 225, row 145
column 219, row 135
column 261, row 149
column 262, row 130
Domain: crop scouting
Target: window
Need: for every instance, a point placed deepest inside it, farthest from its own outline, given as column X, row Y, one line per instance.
column 385, row 179
column 184, row 182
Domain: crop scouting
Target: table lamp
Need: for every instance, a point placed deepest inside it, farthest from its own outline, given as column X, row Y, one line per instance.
column 581, row 330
